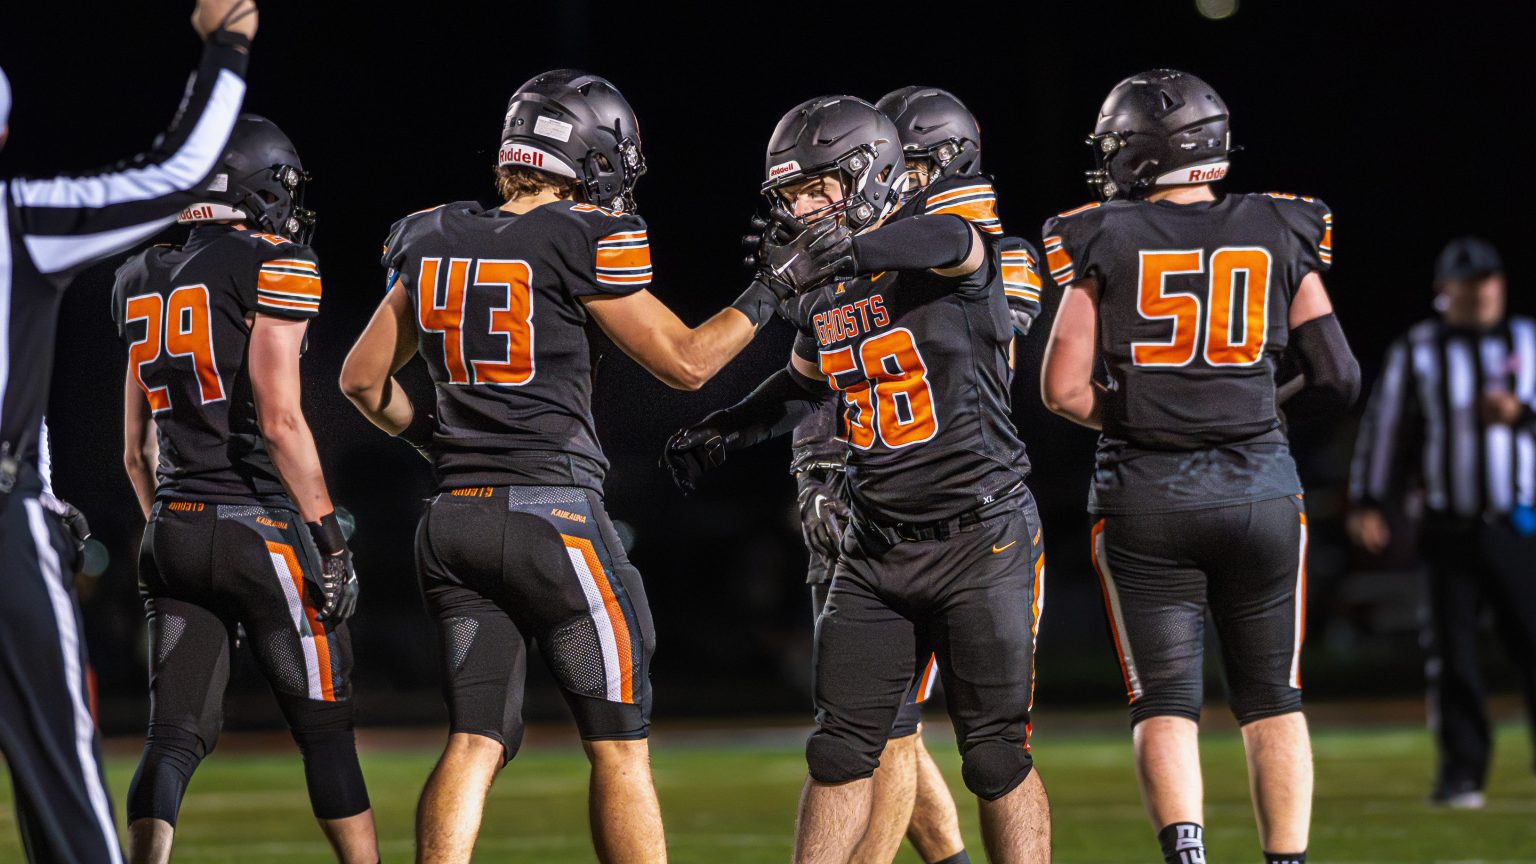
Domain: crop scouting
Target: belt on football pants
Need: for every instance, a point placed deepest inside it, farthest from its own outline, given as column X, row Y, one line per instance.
column 939, row 529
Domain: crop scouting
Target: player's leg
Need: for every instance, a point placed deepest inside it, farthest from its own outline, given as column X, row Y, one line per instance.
column 1257, row 573
column 863, row 668
column 47, row 735
column 458, row 550
column 893, row 793
column 935, row 827
column 983, row 626
column 1513, row 595
column 264, row 558
column 568, row 582
column 1155, row 601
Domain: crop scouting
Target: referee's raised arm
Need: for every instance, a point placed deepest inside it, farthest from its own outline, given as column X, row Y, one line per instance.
column 68, row 221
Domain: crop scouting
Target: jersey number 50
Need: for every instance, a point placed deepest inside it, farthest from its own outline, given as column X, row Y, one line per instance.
column 1222, row 347
column 178, row 325
column 507, row 342
column 893, row 401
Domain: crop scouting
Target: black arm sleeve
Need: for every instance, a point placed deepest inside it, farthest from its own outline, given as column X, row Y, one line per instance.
column 773, row 409
column 916, row 243
column 1332, row 374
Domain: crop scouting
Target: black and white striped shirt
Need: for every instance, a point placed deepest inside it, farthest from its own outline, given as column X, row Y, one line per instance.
column 50, row 228
column 1426, row 409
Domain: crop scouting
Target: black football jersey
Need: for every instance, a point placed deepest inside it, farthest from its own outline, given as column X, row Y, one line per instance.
column 184, row 312
column 501, row 326
column 1194, row 302
column 921, row 364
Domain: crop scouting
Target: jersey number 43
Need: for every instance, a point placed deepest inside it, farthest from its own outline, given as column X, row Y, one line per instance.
column 502, row 353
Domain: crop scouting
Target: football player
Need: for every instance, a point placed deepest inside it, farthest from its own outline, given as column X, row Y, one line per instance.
column 1190, row 297
column 241, row 528
column 51, row 228
column 516, row 545
column 941, row 142
column 944, row 555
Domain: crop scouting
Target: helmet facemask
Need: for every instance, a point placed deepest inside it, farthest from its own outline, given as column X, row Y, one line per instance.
column 854, row 170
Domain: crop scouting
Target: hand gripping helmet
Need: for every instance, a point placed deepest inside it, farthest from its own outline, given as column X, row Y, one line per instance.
column 576, row 125
column 1159, row 128
column 262, row 183
column 843, row 134
column 937, row 127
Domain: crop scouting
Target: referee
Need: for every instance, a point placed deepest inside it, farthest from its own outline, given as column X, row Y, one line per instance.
column 1454, row 417
column 50, row 229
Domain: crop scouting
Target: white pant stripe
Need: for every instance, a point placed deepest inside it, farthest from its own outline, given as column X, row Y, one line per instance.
column 74, row 676
column 300, row 624
column 598, row 610
column 1101, row 557
column 1300, row 611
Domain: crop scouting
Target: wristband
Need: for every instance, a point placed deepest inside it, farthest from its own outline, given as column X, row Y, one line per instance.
column 758, row 303
column 419, row 432
column 327, row 534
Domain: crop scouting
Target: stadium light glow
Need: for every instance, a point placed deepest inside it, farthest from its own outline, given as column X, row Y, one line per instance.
column 1216, row 9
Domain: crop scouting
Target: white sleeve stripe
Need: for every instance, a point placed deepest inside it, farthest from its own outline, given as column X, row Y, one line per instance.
column 189, row 164
column 57, row 253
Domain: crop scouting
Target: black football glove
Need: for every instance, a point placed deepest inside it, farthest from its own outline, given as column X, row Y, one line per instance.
column 759, row 231
column 823, row 513
column 1023, row 319
column 693, row 450
column 811, row 256
column 337, row 580
column 74, row 520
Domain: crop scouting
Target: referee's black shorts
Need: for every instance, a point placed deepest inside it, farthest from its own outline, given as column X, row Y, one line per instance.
column 1161, row 572
column 47, row 732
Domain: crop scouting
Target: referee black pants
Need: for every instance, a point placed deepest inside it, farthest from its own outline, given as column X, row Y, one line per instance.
column 46, row 731
column 1475, row 567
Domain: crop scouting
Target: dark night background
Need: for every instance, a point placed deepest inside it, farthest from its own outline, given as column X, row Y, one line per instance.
column 1400, row 117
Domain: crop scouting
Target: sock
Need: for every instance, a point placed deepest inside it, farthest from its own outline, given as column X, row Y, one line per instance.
column 1183, row 843
column 1285, row 858
column 957, row 858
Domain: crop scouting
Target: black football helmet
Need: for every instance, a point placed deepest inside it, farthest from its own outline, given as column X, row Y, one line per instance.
column 261, row 181
column 1159, row 128
column 843, row 134
column 935, row 127
column 576, row 125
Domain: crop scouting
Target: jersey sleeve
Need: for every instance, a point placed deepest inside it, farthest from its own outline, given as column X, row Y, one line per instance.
column 971, row 198
column 1065, row 238
column 620, row 254
column 122, row 285
column 287, row 280
column 1021, row 275
column 1311, row 222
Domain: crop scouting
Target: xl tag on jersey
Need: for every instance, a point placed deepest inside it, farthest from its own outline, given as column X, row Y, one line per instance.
column 549, row 127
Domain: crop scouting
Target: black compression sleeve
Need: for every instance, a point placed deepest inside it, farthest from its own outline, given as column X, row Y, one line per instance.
column 916, row 243
column 1332, row 373
column 774, row 408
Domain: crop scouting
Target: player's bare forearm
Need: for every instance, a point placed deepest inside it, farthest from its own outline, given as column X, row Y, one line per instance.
column 680, row 356
column 292, row 448
column 367, row 376
column 141, row 449
column 1066, row 373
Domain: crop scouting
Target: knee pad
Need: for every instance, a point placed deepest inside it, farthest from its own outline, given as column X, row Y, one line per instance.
column 171, row 754
column 1257, row 703
column 335, row 780
column 993, row 768
column 834, row 760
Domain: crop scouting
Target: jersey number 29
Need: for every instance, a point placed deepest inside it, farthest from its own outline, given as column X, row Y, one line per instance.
column 178, row 326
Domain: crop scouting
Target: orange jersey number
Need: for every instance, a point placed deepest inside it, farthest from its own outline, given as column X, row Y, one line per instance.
column 511, row 322
column 180, row 326
column 1235, row 328
column 894, row 393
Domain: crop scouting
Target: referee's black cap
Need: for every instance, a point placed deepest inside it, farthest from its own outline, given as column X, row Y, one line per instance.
column 1467, row 258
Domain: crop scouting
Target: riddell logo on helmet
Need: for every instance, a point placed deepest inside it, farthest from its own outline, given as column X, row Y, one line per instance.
column 782, row 169
column 515, row 155
column 196, row 211
column 1207, row 175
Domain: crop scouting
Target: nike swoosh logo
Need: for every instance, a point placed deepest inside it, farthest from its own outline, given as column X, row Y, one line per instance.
column 996, row 549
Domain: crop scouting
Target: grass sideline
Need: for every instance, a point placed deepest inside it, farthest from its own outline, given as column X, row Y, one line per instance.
column 736, row 804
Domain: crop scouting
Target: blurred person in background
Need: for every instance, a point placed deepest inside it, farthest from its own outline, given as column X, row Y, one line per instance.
column 1453, row 418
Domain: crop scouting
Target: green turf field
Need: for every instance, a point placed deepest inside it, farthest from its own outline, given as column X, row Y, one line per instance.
column 737, row 804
